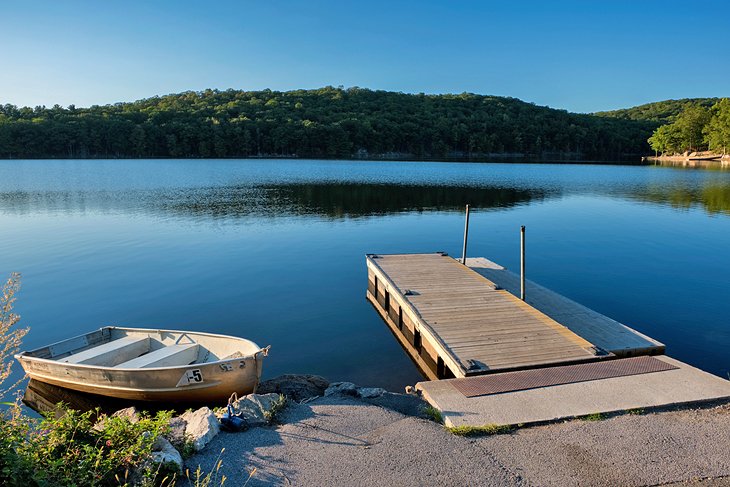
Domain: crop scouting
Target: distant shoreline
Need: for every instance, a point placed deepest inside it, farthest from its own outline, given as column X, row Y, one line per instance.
column 690, row 157
column 692, row 160
column 492, row 158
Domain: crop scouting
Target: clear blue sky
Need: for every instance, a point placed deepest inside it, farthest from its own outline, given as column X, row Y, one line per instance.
column 579, row 55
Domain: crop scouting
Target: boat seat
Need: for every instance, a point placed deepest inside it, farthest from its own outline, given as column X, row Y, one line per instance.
column 164, row 357
column 111, row 353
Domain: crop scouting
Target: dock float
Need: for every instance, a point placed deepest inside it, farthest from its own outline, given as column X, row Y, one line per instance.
column 454, row 322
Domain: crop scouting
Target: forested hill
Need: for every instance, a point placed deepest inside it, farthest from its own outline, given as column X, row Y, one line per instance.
column 661, row 111
column 328, row 122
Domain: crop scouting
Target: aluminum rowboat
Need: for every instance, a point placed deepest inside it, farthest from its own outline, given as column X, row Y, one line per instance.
column 149, row 365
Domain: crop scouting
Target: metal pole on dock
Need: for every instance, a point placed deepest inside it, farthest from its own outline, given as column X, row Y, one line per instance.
column 466, row 235
column 522, row 262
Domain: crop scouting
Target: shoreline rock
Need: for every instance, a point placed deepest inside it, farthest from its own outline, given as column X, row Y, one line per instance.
column 201, row 426
column 296, row 387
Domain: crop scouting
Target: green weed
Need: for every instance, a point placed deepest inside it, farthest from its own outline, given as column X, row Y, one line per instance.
column 484, row 430
column 433, row 414
column 593, row 417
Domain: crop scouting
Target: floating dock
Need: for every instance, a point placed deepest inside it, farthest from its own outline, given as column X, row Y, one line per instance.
column 494, row 358
column 456, row 322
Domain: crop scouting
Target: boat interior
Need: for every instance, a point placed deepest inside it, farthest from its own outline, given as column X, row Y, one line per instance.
column 125, row 348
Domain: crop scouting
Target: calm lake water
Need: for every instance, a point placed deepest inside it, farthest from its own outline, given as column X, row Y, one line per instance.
column 274, row 250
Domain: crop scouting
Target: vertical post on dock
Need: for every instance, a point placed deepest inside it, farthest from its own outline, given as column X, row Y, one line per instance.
column 466, row 235
column 522, row 262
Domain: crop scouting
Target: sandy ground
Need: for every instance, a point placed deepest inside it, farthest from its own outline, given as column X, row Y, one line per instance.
column 341, row 440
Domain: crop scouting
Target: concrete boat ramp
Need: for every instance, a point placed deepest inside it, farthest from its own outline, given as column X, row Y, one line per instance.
column 493, row 358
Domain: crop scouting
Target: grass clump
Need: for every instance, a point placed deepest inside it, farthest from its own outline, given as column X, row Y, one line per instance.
column 593, row 417
column 484, row 430
column 433, row 414
column 10, row 335
column 214, row 478
column 636, row 412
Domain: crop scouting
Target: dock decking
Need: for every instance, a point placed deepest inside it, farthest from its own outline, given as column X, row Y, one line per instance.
column 455, row 322
column 598, row 329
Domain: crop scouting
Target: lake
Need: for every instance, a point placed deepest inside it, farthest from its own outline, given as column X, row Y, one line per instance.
column 273, row 250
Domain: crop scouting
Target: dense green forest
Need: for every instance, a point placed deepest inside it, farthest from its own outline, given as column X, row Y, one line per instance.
column 328, row 122
column 661, row 111
column 696, row 127
column 686, row 125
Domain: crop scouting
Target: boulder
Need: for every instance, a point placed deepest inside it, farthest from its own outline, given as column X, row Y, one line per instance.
column 295, row 387
column 346, row 388
column 257, row 409
column 201, row 426
column 176, row 433
column 165, row 454
column 370, row 392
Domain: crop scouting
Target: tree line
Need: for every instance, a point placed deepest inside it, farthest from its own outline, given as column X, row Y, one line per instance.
column 323, row 123
column 695, row 128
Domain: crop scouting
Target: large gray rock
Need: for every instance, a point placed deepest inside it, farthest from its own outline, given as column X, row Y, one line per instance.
column 201, row 427
column 164, row 453
column 295, row 387
column 346, row 388
column 258, row 409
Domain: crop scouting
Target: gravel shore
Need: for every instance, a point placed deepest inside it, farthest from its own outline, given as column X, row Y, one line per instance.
column 344, row 440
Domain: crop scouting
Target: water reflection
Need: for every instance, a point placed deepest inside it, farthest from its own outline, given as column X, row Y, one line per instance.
column 350, row 200
column 330, row 200
column 723, row 165
column 45, row 399
column 220, row 190
column 713, row 197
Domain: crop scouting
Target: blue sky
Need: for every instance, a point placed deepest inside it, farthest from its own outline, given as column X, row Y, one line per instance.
column 579, row 55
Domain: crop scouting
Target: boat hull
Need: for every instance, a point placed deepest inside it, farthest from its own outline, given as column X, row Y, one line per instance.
column 198, row 382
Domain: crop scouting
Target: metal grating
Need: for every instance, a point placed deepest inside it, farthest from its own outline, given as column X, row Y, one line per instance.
column 553, row 376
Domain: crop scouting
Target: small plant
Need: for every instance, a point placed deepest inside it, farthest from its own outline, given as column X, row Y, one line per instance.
column 186, row 448
column 433, row 414
column 10, row 337
column 636, row 412
column 484, row 430
column 593, row 417
column 212, row 478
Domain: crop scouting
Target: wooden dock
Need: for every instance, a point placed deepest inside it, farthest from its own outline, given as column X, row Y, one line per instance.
column 454, row 322
column 598, row 329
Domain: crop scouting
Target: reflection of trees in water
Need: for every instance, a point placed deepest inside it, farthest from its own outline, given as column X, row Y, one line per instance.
column 335, row 200
column 356, row 200
column 332, row 200
column 713, row 197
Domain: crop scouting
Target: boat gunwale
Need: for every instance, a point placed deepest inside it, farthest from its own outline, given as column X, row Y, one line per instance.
column 25, row 355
